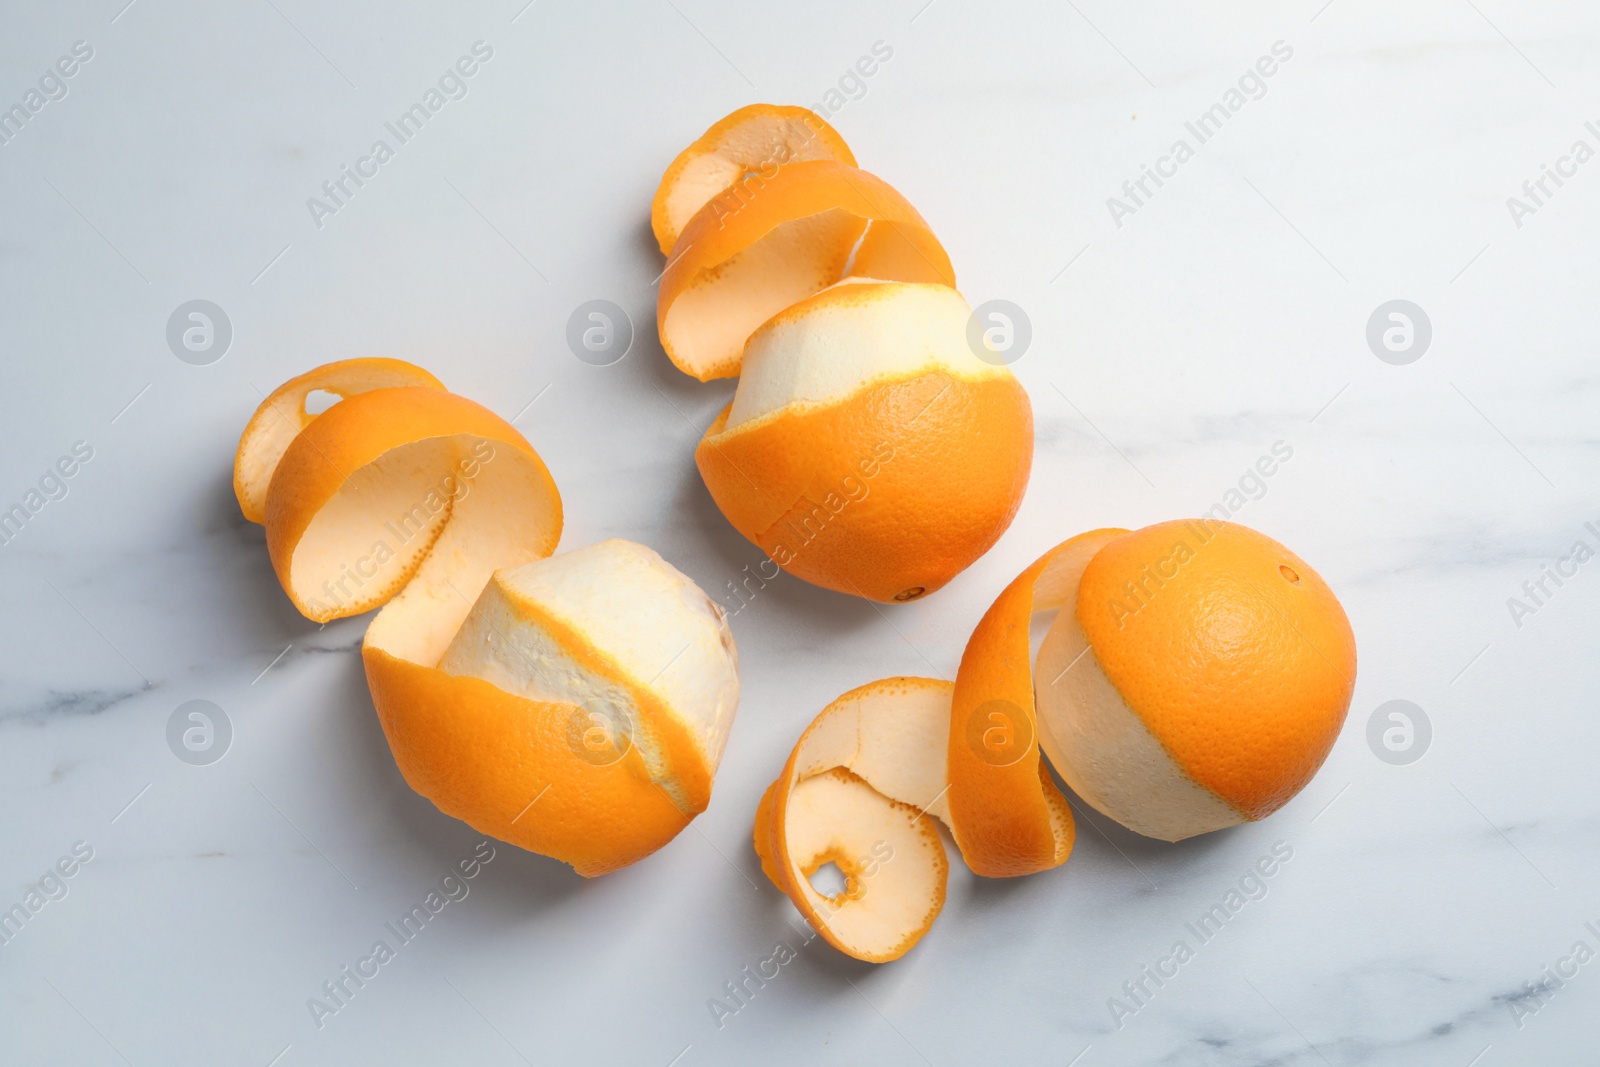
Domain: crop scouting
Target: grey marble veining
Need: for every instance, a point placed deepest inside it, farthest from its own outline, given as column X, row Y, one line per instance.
column 1439, row 912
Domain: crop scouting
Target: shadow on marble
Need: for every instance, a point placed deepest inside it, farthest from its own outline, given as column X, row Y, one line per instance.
column 737, row 578
column 407, row 822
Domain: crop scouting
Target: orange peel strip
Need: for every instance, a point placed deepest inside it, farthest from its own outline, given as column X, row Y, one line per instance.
column 282, row 416
column 742, row 150
column 1008, row 817
column 532, row 696
column 895, row 752
column 862, row 790
column 1193, row 676
column 743, row 258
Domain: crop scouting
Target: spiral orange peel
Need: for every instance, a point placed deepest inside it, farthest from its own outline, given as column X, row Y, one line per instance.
column 742, row 259
column 829, row 296
column 574, row 705
column 742, row 150
column 1194, row 676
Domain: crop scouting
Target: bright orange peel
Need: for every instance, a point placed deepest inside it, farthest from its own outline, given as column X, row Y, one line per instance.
column 283, row 414
column 867, row 448
column 1194, row 676
column 533, row 696
column 1204, row 671
column 862, row 790
column 829, row 296
column 740, row 152
column 743, row 258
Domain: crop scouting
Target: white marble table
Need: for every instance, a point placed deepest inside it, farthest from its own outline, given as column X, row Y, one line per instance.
column 1176, row 339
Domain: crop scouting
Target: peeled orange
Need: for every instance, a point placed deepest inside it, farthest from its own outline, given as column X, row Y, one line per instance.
column 867, row 449
column 1194, row 677
column 870, row 448
column 575, row 705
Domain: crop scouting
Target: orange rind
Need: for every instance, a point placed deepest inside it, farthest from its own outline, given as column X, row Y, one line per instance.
column 1009, row 817
column 742, row 152
column 867, row 449
column 575, row 705
column 282, row 416
column 1194, row 676
column 742, row 259
column 1210, row 672
column 862, row 790
column 829, row 296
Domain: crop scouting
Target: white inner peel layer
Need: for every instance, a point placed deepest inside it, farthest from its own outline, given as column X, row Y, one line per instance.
column 1102, row 749
column 893, row 735
column 710, row 321
column 895, row 861
column 635, row 609
column 855, row 333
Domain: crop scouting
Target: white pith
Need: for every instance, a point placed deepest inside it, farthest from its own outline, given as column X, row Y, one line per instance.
column 663, row 633
column 1100, row 746
column 893, row 736
column 707, row 324
column 836, row 348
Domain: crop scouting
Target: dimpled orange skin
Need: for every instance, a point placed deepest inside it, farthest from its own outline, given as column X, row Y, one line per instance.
column 1002, row 814
column 483, row 755
column 899, row 487
column 1242, row 674
column 355, row 432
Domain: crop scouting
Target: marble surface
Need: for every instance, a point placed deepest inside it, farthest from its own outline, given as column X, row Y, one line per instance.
column 1428, row 909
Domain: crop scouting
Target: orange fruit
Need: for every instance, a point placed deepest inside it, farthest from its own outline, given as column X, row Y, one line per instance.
column 743, row 258
column 867, row 448
column 741, row 151
column 1194, row 677
column 575, row 705
column 1216, row 669
column 580, row 709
